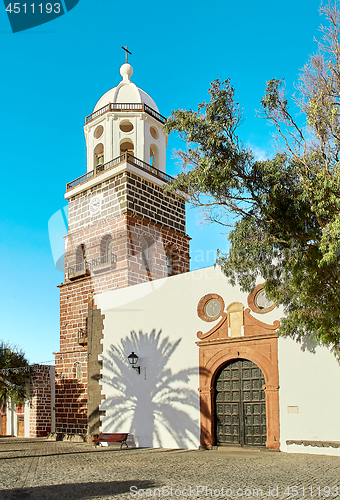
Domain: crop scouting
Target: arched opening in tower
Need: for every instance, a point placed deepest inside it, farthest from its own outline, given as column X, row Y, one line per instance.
column 80, row 258
column 154, row 156
column 98, row 159
column 106, row 250
column 126, row 146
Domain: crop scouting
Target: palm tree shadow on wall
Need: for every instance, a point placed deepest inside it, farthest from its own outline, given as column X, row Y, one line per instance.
column 155, row 401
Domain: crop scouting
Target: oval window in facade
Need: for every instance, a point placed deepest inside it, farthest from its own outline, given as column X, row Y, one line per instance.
column 154, row 132
column 262, row 301
column 98, row 131
column 126, row 126
column 259, row 302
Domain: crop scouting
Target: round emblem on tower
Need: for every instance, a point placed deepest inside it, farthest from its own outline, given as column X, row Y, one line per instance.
column 95, row 204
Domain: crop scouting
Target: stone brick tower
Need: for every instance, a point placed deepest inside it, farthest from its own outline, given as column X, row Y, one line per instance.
column 123, row 229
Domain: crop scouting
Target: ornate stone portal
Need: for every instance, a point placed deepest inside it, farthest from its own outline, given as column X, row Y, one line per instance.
column 237, row 336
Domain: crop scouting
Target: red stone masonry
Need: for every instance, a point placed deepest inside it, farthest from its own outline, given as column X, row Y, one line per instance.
column 41, row 400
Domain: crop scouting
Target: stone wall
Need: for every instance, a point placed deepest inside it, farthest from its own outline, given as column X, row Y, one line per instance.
column 95, row 349
column 71, row 392
column 41, row 400
column 126, row 233
column 127, row 192
column 112, row 196
column 149, row 201
column 71, row 361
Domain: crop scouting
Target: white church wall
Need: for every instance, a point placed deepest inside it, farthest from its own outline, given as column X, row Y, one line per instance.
column 309, row 398
column 27, row 418
column 160, row 407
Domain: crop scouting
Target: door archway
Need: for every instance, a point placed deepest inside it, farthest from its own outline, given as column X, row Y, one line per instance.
column 240, row 404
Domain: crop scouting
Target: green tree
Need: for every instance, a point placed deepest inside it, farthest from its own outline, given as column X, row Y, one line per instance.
column 284, row 213
column 14, row 374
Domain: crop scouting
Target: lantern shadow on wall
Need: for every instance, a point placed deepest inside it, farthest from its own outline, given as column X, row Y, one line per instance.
column 155, row 404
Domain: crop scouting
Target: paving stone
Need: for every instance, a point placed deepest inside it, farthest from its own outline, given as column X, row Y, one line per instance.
column 38, row 469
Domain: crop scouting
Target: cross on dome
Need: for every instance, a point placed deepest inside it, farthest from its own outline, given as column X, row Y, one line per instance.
column 126, row 69
column 126, row 91
column 126, row 53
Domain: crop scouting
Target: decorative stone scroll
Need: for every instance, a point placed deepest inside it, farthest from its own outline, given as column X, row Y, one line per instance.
column 235, row 322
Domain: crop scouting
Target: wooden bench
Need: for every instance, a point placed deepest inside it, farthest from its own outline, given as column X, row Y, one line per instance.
column 109, row 437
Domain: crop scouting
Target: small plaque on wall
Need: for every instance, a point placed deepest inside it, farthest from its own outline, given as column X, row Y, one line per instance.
column 292, row 409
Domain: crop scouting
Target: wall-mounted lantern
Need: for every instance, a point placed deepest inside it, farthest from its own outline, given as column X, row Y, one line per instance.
column 133, row 358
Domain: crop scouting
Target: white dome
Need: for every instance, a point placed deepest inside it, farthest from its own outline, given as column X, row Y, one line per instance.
column 125, row 92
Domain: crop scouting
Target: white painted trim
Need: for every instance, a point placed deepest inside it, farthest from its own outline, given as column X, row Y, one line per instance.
column 313, row 450
column 112, row 173
column 27, row 411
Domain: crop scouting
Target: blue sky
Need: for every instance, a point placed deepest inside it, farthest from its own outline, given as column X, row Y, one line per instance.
column 53, row 75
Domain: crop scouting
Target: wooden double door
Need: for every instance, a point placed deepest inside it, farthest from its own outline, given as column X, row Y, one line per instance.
column 240, row 404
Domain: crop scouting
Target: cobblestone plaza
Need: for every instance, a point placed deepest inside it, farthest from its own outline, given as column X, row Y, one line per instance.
column 37, row 469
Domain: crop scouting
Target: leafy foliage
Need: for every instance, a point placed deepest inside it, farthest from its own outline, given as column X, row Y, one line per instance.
column 12, row 382
column 284, row 212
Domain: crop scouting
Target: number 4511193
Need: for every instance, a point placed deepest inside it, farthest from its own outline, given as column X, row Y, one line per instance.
column 33, row 8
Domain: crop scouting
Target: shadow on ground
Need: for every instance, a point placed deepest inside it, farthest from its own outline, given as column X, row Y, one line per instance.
column 75, row 491
column 80, row 452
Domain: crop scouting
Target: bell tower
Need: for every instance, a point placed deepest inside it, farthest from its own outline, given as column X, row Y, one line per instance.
column 125, row 119
column 123, row 229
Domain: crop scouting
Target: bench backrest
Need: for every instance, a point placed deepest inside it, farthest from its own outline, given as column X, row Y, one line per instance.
column 112, row 437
